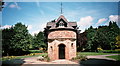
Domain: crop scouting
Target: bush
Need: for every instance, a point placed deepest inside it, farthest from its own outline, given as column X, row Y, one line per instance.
column 7, row 58
column 35, row 51
column 40, row 58
column 110, row 51
column 47, row 59
column 44, row 58
column 74, row 58
column 80, row 57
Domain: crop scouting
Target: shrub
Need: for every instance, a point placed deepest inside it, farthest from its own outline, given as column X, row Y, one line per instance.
column 74, row 58
column 7, row 58
column 44, row 58
column 47, row 59
column 80, row 57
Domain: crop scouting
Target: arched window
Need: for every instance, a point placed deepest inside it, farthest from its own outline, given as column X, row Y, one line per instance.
column 72, row 45
column 51, row 48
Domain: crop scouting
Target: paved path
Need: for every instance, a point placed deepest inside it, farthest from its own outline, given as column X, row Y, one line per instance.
column 33, row 60
column 63, row 62
column 102, row 56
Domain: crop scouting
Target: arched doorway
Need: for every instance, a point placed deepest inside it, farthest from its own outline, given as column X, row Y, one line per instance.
column 61, row 51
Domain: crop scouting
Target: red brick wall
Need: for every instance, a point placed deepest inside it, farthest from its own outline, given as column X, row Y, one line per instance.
column 62, row 37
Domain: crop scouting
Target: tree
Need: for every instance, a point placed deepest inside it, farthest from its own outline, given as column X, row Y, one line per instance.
column 16, row 40
column 82, row 40
column 21, row 39
column 103, row 37
column 114, row 31
column 90, row 35
column 7, row 35
column 118, row 42
column 39, row 41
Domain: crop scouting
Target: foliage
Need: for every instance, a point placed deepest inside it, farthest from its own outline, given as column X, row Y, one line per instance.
column 99, row 49
column 118, row 42
column 8, row 58
column 15, row 40
column 39, row 42
column 7, row 35
column 47, row 59
column 103, row 37
column 18, row 41
column 21, row 38
column 90, row 45
column 82, row 40
column 44, row 58
column 80, row 57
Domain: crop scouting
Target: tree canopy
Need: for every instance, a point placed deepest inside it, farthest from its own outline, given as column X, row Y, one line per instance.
column 105, row 37
column 17, row 40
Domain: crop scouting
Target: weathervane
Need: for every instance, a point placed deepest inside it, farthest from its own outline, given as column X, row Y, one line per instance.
column 61, row 8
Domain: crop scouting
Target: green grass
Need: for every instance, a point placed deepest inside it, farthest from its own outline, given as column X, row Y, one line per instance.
column 22, row 57
column 93, row 53
column 116, row 57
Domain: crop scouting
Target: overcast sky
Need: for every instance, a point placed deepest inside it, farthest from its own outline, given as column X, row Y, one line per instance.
column 35, row 15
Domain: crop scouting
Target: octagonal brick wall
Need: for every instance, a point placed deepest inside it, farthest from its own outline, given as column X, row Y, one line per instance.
column 66, row 37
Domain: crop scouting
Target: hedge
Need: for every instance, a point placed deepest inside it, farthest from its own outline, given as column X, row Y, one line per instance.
column 110, row 51
column 35, row 51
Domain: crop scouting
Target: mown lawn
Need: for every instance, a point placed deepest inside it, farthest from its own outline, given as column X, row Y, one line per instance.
column 93, row 53
column 22, row 57
column 116, row 57
column 19, row 57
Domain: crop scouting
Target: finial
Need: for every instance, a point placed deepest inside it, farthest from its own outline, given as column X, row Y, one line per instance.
column 61, row 8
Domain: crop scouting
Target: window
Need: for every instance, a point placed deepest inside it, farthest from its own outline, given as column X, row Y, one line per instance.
column 72, row 45
column 51, row 48
column 61, row 24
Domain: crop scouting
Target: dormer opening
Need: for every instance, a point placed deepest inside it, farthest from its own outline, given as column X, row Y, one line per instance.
column 61, row 23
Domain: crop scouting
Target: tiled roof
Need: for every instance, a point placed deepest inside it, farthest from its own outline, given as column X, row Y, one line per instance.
column 52, row 24
column 73, row 23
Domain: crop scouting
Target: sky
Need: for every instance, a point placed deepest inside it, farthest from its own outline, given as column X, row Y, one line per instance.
column 35, row 15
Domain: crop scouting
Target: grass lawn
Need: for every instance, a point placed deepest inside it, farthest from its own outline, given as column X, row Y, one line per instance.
column 22, row 57
column 117, row 57
column 19, row 57
column 93, row 53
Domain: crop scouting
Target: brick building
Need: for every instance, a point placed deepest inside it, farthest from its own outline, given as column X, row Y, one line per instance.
column 61, row 38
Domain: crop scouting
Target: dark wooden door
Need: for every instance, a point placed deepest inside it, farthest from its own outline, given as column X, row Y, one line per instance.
column 61, row 51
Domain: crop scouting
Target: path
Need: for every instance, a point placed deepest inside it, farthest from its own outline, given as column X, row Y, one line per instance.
column 102, row 56
column 33, row 60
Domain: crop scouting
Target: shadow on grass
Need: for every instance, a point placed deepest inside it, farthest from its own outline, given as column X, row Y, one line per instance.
column 13, row 62
column 99, row 62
